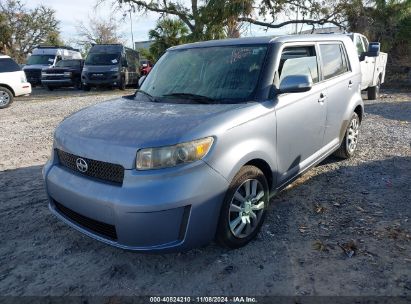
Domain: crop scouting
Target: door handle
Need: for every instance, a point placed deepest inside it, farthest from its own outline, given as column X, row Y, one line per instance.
column 322, row 98
column 350, row 84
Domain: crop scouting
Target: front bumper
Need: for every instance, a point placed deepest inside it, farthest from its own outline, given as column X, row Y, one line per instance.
column 172, row 210
column 58, row 82
column 107, row 78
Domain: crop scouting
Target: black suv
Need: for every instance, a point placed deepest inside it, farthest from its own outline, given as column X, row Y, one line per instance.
column 66, row 73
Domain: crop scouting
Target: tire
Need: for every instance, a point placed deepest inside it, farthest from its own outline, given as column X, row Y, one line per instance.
column 374, row 92
column 50, row 88
column 246, row 217
column 351, row 136
column 86, row 88
column 122, row 84
column 6, row 97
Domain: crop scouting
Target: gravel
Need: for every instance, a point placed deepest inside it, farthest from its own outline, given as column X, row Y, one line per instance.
column 343, row 228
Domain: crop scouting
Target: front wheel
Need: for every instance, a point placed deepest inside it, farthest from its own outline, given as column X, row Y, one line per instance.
column 122, row 85
column 350, row 141
column 6, row 97
column 244, row 207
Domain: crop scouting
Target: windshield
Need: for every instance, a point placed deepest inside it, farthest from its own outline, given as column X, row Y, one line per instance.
column 68, row 63
column 228, row 73
column 41, row 59
column 102, row 59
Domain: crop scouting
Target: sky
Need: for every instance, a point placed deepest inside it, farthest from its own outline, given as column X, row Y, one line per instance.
column 71, row 12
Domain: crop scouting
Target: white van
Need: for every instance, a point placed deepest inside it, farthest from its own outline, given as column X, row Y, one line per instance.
column 12, row 81
column 44, row 57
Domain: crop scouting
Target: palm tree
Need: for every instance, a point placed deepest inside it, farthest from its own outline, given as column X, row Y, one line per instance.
column 167, row 33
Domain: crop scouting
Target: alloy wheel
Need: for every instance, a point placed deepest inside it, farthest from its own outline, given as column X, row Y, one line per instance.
column 352, row 135
column 246, row 208
column 4, row 98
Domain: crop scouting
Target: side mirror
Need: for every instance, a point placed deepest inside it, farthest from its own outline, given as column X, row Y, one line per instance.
column 295, row 84
column 373, row 50
column 141, row 80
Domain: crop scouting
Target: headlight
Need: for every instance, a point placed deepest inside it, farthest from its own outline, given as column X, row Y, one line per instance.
column 23, row 78
column 67, row 74
column 170, row 156
column 85, row 69
column 114, row 69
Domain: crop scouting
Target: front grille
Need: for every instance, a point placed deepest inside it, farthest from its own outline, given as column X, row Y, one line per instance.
column 98, row 76
column 103, row 171
column 103, row 229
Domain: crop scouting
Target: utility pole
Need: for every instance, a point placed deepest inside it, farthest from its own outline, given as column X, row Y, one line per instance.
column 131, row 26
column 296, row 24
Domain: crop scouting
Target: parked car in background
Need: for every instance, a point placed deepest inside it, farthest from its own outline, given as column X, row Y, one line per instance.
column 44, row 57
column 12, row 81
column 373, row 63
column 112, row 65
column 214, row 131
column 145, row 67
column 66, row 73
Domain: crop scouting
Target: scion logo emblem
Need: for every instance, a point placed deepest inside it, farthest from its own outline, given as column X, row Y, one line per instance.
column 81, row 165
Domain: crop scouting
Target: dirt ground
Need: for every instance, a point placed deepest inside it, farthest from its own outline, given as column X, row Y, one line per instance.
column 343, row 228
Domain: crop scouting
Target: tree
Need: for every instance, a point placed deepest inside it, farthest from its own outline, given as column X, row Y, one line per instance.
column 168, row 32
column 98, row 31
column 203, row 19
column 22, row 29
column 214, row 19
column 309, row 12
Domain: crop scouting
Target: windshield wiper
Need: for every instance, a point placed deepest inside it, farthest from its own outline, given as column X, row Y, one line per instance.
column 151, row 97
column 196, row 97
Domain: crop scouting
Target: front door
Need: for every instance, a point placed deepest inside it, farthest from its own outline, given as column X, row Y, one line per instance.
column 301, row 117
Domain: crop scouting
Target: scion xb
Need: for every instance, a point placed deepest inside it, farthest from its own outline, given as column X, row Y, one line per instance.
column 214, row 131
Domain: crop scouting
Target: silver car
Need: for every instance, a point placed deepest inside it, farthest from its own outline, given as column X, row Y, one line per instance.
column 214, row 131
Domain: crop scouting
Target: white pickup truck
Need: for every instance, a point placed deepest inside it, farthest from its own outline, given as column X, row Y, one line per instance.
column 372, row 63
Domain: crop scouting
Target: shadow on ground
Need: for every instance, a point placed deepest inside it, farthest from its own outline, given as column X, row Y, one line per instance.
column 391, row 110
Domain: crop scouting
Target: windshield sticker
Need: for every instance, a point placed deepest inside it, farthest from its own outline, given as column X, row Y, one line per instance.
column 114, row 61
column 238, row 54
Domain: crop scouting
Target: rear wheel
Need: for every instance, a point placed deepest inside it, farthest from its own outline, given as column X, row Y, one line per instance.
column 374, row 92
column 78, row 85
column 350, row 141
column 244, row 207
column 6, row 97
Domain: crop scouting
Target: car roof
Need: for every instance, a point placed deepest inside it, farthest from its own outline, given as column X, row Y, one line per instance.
column 263, row 40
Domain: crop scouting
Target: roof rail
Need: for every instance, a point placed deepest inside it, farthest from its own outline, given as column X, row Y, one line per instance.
column 93, row 44
column 56, row 47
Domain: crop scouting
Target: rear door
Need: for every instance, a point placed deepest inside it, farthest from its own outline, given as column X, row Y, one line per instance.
column 300, row 116
column 340, row 84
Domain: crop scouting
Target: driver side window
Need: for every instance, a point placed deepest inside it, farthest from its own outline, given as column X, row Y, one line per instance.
column 298, row 61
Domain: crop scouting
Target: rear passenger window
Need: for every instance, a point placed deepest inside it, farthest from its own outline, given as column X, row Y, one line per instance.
column 333, row 59
column 8, row 65
column 298, row 61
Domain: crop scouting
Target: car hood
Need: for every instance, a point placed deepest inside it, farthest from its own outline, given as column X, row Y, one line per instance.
column 113, row 131
column 35, row 67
